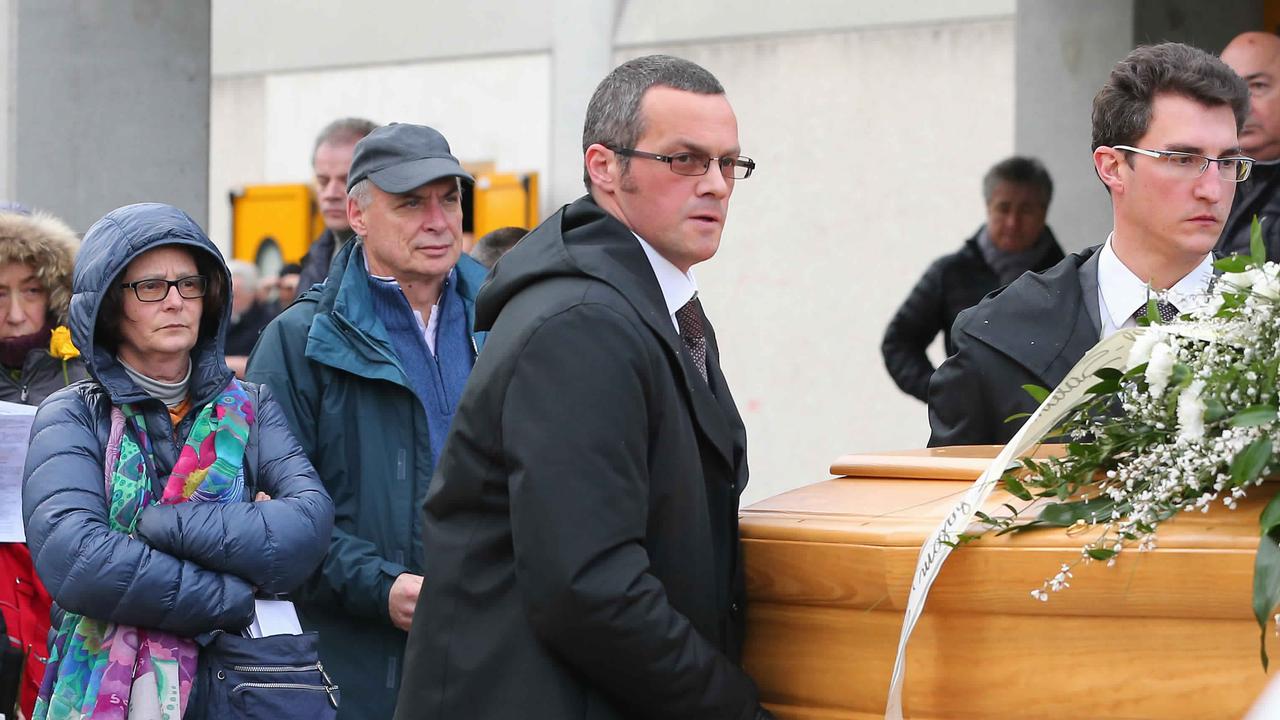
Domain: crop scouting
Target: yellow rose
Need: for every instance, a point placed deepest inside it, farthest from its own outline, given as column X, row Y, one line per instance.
column 60, row 345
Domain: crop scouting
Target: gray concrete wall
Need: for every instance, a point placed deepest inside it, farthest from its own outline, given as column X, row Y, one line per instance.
column 110, row 106
column 1062, row 56
column 1207, row 25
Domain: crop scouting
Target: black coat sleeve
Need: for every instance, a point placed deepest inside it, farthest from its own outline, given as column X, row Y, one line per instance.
column 974, row 391
column 575, row 436
column 273, row 544
column 916, row 323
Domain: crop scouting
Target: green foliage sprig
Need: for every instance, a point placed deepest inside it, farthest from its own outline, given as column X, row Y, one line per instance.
column 1190, row 422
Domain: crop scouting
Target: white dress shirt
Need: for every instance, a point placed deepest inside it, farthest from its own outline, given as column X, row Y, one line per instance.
column 1120, row 292
column 678, row 287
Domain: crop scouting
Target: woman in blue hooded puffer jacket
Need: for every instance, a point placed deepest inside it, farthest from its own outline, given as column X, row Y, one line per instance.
column 138, row 481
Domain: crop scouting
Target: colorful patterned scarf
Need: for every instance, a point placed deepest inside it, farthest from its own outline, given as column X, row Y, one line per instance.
column 105, row 671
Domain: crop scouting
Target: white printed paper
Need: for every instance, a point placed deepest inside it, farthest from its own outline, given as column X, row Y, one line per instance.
column 15, row 432
column 274, row 617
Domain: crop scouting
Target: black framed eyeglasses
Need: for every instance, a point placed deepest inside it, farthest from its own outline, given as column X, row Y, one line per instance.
column 157, row 289
column 1235, row 168
column 694, row 164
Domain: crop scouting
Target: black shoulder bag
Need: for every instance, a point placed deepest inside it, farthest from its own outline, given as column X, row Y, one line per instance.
column 279, row 677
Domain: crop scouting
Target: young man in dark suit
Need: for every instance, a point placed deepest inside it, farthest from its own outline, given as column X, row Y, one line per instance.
column 1165, row 146
column 581, row 536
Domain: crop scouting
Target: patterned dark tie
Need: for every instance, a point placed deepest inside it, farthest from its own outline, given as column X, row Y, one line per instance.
column 689, row 318
column 1168, row 311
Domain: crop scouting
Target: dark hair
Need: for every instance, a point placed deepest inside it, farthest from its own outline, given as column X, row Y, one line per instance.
column 1122, row 108
column 613, row 115
column 496, row 243
column 1018, row 170
column 342, row 131
column 106, row 332
column 290, row 269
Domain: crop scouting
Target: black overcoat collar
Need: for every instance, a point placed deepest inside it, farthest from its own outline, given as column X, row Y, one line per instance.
column 602, row 247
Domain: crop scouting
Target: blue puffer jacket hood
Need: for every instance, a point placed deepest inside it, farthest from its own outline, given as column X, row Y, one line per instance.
column 107, row 249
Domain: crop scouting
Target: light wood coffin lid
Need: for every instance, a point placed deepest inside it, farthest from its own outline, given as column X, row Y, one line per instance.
column 1167, row 633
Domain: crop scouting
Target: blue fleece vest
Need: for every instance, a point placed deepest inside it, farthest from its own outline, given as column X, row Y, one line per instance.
column 438, row 380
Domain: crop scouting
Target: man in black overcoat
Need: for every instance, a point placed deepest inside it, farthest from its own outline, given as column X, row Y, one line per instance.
column 1013, row 240
column 580, row 536
column 1165, row 144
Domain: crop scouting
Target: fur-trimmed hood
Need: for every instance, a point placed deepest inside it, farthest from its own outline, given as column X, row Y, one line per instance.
column 46, row 244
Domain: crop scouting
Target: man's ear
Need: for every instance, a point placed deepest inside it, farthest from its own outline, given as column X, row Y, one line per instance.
column 355, row 216
column 602, row 167
column 1107, row 162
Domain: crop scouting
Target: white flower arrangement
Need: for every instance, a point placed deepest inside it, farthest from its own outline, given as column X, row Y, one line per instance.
column 1190, row 423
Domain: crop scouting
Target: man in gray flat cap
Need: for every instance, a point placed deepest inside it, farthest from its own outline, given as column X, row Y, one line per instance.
column 369, row 368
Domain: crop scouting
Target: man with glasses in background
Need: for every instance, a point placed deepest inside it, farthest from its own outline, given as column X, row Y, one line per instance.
column 1165, row 145
column 581, row 532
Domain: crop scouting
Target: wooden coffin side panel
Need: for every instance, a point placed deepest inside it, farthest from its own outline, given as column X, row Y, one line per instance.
column 1162, row 634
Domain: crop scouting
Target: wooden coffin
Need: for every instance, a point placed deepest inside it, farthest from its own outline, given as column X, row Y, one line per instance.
column 1163, row 634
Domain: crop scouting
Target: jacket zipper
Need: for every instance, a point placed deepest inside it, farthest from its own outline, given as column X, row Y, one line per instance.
column 275, row 668
column 328, row 686
column 326, row 689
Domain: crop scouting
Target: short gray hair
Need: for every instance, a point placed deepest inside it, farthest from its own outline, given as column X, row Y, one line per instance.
column 363, row 195
column 343, row 131
column 1018, row 171
column 246, row 271
column 613, row 115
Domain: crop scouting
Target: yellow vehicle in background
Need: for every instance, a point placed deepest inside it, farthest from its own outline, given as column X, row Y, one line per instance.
column 272, row 225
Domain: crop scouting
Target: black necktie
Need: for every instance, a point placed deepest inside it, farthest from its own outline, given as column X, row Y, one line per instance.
column 689, row 318
column 1168, row 311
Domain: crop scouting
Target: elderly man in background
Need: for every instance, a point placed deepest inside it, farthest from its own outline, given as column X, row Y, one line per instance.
column 369, row 368
column 331, row 160
column 249, row 315
column 1014, row 240
column 1255, row 56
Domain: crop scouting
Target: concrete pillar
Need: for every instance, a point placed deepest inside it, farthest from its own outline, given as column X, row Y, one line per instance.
column 1064, row 52
column 581, row 55
column 107, row 104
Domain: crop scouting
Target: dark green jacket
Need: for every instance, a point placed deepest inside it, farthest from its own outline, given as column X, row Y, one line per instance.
column 328, row 360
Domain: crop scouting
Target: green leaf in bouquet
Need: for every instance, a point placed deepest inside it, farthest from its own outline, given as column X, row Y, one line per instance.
column 1067, row 513
column 1017, row 416
column 1098, row 553
column 1153, row 312
column 1233, row 300
column 1253, row 416
column 1036, row 392
column 1136, row 371
column 1249, row 462
column 1106, row 387
column 1214, row 410
column 1233, row 263
column 1257, row 248
column 1109, row 373
column 1270, row 518
column 1016, row 488
column 1266, row 587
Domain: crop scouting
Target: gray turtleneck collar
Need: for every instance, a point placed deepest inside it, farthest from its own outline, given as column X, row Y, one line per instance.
column 171, row 394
